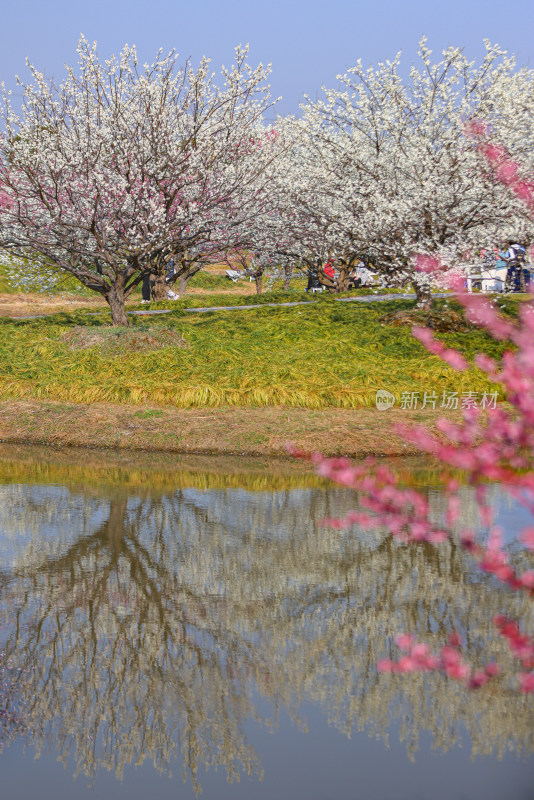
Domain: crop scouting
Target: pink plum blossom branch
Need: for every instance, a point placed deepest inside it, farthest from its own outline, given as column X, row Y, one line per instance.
column 494, row 445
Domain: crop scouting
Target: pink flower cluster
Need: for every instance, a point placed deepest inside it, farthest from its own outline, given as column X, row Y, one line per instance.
column 450, row 356
column 493, row 559
column 506, row 170
column 5, row 200
column 403, row 512
column 521, row 646
column 419, row 658
column 442, row 274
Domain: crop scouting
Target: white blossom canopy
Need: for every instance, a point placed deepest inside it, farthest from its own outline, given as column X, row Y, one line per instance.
column 120, row 168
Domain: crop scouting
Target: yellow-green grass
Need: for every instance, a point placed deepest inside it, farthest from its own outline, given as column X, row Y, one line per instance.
column 207, row 280
column 223, row 299
column 6, row 287
column 274, row 295
column 314, row 356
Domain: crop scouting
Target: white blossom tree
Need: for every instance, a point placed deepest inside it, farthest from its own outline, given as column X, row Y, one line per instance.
column 288, row 234
column 390, row 172
column 118, row 169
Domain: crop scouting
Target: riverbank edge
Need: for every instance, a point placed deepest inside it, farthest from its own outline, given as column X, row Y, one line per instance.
column 263, row 431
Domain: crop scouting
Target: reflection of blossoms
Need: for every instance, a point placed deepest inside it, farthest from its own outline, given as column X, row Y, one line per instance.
column 167, row 613
column 11, row 720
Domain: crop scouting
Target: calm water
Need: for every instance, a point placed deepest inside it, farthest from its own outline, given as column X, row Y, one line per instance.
column 169, row 627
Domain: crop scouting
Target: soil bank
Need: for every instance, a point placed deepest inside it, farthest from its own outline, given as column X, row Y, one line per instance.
column 263, row 431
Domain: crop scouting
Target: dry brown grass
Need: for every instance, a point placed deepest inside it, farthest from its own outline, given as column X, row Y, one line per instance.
column 29, row 304
column 444, row 320
column 111, row 341
column 251, row 431
column 21, row 305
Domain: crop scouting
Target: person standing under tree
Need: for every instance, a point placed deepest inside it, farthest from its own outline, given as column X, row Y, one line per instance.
column 147, row 287
column 169, row 274
column 313, row 276
column 515, row 259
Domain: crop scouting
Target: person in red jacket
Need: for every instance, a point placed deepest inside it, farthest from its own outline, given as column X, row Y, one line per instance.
column 328, row 270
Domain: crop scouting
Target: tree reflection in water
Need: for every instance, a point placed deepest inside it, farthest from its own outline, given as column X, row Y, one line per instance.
column 139, row 622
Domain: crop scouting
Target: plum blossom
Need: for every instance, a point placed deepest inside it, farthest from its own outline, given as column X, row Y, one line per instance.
column 419, row 658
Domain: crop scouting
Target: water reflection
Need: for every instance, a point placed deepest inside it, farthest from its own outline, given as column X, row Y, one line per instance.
column 154, row 614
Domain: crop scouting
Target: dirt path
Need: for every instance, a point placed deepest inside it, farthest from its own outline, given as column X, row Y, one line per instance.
column 19, row 306
column 368, row 298
column 32, row 304
column 23, row 305
column 250, row 431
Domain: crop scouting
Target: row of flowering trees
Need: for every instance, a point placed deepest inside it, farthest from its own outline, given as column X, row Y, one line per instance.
column 120, row 168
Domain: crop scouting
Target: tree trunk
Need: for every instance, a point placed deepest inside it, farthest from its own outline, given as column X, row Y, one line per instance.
column 288, row 274
column 183, row 281
column 343, row 280
column 115, row 298
column 186, row 276
column 158, row 287
column 327, row 282
column 259, row 282
column 424, row 297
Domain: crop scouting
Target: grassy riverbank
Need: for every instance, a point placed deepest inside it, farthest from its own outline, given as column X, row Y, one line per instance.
column 236, row 381
column 322, row 355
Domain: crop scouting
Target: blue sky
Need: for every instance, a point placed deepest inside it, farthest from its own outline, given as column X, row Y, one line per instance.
column 307, row 41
